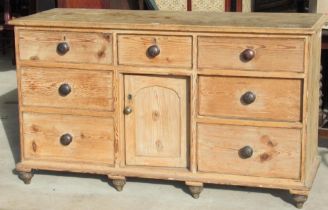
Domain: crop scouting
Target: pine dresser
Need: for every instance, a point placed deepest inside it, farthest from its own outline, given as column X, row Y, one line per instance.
column 195, row 97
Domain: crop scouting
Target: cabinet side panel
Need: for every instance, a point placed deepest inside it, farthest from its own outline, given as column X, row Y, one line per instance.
column 312, row 110
column 18, row 76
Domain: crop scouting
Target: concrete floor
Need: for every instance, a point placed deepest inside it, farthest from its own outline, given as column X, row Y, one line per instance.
column 50, row 190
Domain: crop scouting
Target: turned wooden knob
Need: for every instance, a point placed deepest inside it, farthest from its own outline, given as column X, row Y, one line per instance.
column 66, row 139
column 247, row 55
column 62, row 48
column 248, row 98
column 64, row 89
column 246, row 152
column 127, row 110
column 153, row 51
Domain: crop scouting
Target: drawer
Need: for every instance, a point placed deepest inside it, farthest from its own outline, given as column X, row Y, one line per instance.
column 249, row 151
column 67, row 88
column 68, row 138
column 64, row 46
column 250, row 98
column 262, row 54
column 155, row 51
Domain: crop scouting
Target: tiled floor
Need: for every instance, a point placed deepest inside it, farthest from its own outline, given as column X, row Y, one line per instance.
column 75, row 191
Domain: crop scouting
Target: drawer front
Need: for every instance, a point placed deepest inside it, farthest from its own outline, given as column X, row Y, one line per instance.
column 250, row 98
column 67, row 88
column 263, row 54
column 155, row 51
column 70, row 47
column 249, row 151
column 68, row 138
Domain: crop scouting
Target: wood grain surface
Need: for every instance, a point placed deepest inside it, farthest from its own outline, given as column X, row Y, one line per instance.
column 291, row 23
column 276, row 99
column 271, row 54
column 311, row 115
column 83, row 47
column 276, row 151
column 156, row 130
column 90, row 144
column 174, row 51
column 89, row 89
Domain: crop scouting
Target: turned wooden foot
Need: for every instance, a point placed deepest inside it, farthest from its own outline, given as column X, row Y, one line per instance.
column 195, row 189
column 299, row 200
column 299, row 197
column 119, row 184
column 25, row 176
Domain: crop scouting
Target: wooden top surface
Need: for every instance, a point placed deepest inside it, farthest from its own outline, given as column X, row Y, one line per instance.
column 175, row 21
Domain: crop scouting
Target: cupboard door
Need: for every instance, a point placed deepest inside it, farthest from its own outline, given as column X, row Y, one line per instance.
column 156, row 120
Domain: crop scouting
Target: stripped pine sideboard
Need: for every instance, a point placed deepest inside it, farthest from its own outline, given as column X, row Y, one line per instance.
column 196, row 97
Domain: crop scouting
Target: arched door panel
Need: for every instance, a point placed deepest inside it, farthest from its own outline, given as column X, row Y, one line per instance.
column 156, row 121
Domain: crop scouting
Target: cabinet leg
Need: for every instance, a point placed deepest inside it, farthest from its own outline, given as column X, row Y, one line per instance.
column 25, row 176
column 118, row 182
column 299, row 197
column 195, row 188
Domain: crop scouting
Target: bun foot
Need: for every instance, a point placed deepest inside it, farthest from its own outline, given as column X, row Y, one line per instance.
column 119, row 184
column 195, row 189
column 117, row 181
column 25, row 176
column 299, row 197
column 299, row 200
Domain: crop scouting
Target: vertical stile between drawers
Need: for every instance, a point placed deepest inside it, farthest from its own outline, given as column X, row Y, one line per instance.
column 117, row 100
column 120, row 106
column 193, row 107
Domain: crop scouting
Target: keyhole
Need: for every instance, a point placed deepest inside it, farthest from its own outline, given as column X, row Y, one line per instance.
column 129, row 97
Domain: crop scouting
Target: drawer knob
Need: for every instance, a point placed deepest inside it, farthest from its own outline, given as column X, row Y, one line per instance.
column 153, row 51
column 247, row 55
column 246, row 152
column 64, row 89
column 248, row 98
column 66, row 139
column 127, row 110
column 62, row 48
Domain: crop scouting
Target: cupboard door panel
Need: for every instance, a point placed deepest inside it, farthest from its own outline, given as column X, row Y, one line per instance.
column 155, row 130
